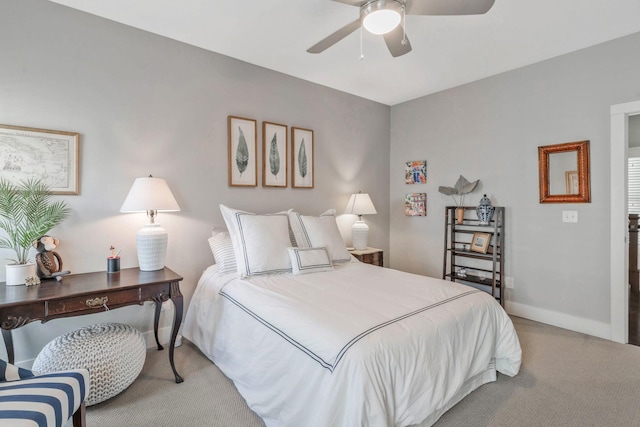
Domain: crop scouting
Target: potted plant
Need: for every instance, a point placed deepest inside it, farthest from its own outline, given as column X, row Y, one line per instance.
column 26, row 213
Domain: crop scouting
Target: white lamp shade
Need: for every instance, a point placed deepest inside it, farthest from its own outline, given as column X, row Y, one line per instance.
column 360, row 204
column 150, row 194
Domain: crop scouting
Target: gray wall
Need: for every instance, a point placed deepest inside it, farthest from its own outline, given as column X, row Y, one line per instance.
column 144, row 104
column 490, row 130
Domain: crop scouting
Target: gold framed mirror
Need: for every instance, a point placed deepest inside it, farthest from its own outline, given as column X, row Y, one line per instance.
column 564, row 173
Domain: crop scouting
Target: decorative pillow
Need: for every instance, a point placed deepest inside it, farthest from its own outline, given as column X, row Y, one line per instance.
column 309, row 260
column 9, row 372
column 319, row 231
column 260, row 242
column 222, row 249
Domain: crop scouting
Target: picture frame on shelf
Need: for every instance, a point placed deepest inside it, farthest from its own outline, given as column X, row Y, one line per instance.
column 480, row 242
column 49, row 155
column 274, row 154
column 302, row 158
column 243, row 150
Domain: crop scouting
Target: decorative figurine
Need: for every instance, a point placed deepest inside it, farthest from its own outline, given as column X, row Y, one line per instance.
column 485, row 211
column 49, row 262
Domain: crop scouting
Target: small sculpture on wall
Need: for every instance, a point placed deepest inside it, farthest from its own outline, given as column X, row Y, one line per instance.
column 49, row 262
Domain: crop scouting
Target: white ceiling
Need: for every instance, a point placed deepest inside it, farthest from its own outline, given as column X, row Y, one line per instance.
column 447, row 50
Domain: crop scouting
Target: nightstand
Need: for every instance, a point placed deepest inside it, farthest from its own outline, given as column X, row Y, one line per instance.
column 371, row 256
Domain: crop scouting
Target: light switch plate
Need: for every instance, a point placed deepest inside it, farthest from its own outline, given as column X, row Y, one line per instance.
column 569, row 216
column 508, row 282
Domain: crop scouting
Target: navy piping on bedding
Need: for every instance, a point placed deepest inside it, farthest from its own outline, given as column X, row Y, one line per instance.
column 351, row 342
column 303, row 267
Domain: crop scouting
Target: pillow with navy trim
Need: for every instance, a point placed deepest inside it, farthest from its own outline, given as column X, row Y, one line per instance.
column 319, row 231
column 222, row 249
column 309, row 260
column 260, row 242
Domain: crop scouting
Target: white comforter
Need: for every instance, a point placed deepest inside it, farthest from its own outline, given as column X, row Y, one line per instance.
column 357, row 346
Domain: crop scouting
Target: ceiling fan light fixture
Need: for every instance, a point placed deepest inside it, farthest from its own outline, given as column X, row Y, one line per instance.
column 381, row 16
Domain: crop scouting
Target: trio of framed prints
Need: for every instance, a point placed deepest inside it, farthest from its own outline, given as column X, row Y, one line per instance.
column 276, row 160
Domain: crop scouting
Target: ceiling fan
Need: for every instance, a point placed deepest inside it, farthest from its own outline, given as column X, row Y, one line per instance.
column 384, row 17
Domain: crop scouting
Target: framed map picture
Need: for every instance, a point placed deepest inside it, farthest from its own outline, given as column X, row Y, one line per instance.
column 48, row 155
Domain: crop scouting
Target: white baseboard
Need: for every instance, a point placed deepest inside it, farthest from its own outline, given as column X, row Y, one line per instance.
column 561, row 320
column 164, row 335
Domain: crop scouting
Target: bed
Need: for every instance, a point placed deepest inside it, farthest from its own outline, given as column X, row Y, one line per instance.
column 344, row 343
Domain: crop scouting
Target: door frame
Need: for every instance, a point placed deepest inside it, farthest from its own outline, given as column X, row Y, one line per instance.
column 619, row 261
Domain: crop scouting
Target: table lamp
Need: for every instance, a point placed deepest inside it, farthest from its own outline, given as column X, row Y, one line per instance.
column 150, row 195
column 360, row 204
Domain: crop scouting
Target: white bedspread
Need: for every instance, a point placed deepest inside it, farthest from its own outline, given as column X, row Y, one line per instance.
column 357, row 346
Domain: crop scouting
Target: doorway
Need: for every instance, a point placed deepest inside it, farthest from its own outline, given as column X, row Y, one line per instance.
column 633, row 207
column 619, row 260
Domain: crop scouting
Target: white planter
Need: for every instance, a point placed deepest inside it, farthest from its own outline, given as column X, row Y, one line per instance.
column 18, row 273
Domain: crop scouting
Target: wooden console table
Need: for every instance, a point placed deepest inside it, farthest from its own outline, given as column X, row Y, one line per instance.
column 80, row 294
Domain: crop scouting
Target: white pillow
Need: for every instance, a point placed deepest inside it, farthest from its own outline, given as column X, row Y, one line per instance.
column 222, row 249
column 260, row 242
column 318, row 231
column 309, row 260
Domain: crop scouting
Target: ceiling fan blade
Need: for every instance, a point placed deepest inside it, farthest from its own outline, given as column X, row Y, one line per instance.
column 449, row 7
column 394, row 41
column 352, row 2
column 334, row 38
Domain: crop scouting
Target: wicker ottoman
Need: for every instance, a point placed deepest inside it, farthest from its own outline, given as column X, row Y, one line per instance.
column 112, row 352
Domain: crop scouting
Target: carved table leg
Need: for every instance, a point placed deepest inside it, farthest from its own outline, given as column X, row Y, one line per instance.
column 156, row 320
column 8, row 343
column 176, row 297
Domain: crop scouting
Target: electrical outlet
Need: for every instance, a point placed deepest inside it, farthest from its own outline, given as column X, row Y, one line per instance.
column 508, row 282
column 569, row 216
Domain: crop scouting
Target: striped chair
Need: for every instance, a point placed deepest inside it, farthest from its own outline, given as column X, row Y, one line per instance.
column 42, row 400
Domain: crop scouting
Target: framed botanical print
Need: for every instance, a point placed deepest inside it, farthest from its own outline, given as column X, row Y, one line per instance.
column 301, row 158
column 274, row 155
column 243, row 161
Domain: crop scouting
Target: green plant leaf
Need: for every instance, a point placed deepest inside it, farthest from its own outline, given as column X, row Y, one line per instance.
column 242, row 153
column 302, row 160
column 26, row 214
column 274, row 157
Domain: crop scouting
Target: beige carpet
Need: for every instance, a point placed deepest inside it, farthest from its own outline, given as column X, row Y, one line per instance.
column 567, row 379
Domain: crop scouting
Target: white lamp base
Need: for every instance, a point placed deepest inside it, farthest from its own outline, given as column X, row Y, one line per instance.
column 151, row 242
column 359, row 235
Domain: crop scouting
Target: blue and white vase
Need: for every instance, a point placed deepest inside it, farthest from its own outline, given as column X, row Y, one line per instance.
column 485, row 211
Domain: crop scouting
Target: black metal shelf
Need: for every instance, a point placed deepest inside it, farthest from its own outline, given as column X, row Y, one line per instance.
column 455, row 257
column 473, row 279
